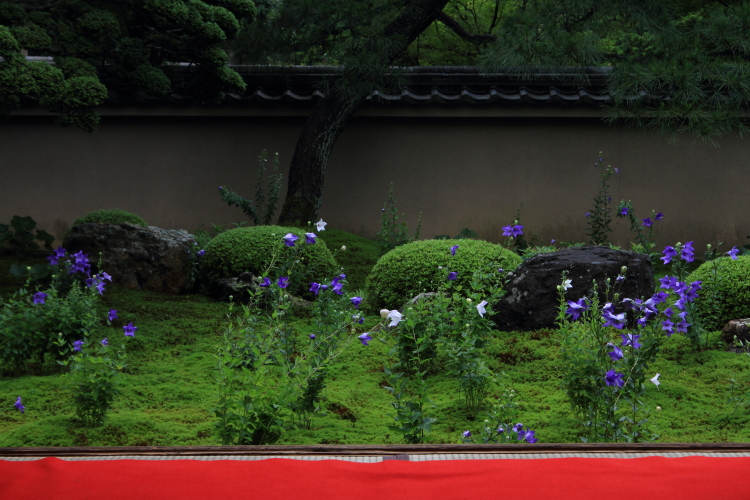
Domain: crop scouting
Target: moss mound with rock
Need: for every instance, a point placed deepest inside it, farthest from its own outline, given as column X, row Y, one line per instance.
column 725, row 296
column 113, row 216
column 411, row 269
column 255, row 249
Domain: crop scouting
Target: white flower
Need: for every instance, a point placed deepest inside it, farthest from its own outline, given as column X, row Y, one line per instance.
column 655, row 380
column 343, row 247
column 320, row 225
column 468, row 299
column 480, row 308
column 384, row 313
column 567, row 284
column 658, row 408
column 395, row 317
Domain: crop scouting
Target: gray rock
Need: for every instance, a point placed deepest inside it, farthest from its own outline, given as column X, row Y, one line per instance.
column 736, row 327
column 137, row 257
column 531, row 301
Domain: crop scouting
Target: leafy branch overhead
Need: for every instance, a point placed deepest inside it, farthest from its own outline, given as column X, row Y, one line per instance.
column 134, row 42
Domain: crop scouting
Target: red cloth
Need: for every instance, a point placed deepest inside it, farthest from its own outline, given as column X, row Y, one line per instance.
column 684, row 478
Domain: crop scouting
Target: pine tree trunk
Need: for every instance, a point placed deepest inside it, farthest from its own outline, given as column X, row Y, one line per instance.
column 307, row 170
column 331, row 114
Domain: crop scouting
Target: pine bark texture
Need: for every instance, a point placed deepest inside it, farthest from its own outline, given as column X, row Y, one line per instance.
column 330, row 116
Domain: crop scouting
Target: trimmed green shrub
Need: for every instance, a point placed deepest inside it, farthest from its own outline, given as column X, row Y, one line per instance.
column 252, row 249
column 725, row 296
column 357, row 260
column 114, row 216
column 411, row 269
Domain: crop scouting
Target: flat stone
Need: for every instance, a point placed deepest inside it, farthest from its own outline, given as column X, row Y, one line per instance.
column 531, row 301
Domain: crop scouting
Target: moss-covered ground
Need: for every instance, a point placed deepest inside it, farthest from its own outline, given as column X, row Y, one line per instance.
column 168, row 389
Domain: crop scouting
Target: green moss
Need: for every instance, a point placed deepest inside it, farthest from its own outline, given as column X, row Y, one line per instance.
column 254, row 249
column 168, row 390
column 725, row 296
column 413, row 268
column 357, row 260
column 114, row 216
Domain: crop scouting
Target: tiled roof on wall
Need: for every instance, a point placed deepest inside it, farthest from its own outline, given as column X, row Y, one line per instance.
column 443, row 85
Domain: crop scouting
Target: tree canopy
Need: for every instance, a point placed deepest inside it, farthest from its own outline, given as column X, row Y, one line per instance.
column 135, row 41
column 678, row 66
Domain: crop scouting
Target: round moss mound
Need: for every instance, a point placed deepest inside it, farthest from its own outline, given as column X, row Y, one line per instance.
column 725, row 296
column 411, row 269
column 252, row 249
column 114, row 216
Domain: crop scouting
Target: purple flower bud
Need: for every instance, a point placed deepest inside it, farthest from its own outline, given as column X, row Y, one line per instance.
column 312, row 336
column 466, row 434
column 104, row 342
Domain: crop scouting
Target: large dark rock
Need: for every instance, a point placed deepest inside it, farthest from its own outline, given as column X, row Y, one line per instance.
column 739, row 328
column 531, row 301
column 137, row 257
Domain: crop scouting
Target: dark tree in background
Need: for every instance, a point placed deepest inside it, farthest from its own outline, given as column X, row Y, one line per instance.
column 124, row 40
column 677, row 66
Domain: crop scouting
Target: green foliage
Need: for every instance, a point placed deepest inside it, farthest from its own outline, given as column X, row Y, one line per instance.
column 20, row 238
column 263, row 373
column 113, row 216
column 726, row 290
column 93, row 378
column 599, row 218
column 392, row 234
column 262, row 209
column 256, row 250
column 411, row 269
column 138, row 41
column 357, row 260
column 608, row 412
column 28, row 331
column 165, row 391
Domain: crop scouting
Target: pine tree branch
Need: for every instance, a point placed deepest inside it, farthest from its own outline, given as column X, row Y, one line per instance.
column 461, row 31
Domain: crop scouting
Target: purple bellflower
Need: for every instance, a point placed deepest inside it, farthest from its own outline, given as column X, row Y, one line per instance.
column 452, row 275
column 315, row 288
column 337, row 288
column 266, row 282
column 687, row 252
column 365, row 338
column 613, row 378
column 624, row 211
column 19, row 406
column 733, row 253
column 39, row 298
column 112, row 315
column 466, row 434
column 630, row 339
column 104, row 342
column 312, row 336
column 668, row 253
column 356, row 301
column 283, row 282
column 647, row 222
column 57, row 254
column 289, row 239
column 659, row 216
column 513, row 231
column 130, row 329
column 77, row 345
column 201, row 253
column 577, row 308
column 616, row 353
column 453, row 249
column 310, row 238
